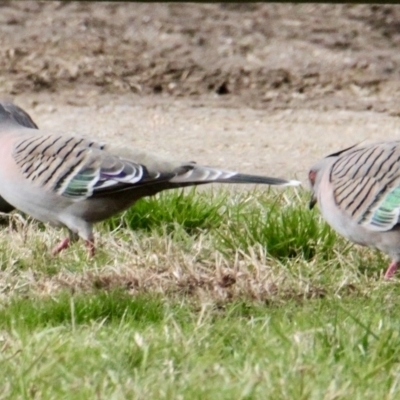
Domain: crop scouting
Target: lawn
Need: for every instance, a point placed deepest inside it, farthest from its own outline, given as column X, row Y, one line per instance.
column 207, row 294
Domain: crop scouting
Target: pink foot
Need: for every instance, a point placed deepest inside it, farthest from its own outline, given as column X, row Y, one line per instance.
column 64, row 244
column 391, row 270
column 90, row 247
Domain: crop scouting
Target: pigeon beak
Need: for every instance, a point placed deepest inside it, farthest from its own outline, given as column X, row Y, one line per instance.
column 312, row 203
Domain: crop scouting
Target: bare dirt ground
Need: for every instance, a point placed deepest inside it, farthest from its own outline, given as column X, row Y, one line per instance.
column 266, row 88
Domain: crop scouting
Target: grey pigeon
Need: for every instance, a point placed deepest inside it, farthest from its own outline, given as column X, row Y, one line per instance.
column 358, row 192
column 22, row 118
column 74, row 182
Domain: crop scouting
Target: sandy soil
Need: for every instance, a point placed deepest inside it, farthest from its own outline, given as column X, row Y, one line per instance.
column 263, row 88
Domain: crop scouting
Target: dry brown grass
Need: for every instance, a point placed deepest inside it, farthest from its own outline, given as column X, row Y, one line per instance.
column 139, row 262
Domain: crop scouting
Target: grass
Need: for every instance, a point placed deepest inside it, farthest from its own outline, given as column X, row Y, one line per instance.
column 214, row 295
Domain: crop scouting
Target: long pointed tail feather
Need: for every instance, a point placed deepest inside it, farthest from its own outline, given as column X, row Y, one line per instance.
column 197, row 174
column 263, row 180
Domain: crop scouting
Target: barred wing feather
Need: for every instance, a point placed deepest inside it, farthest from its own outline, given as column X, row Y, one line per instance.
column 366, row 182
column 73, row 167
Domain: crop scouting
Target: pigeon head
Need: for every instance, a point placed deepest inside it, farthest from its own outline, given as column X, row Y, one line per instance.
column 314, row 177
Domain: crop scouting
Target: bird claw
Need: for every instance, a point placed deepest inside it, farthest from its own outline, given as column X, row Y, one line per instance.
column 91, row 248
column 64, row 244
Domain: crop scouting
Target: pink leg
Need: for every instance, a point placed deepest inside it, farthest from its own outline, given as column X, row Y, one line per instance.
column 391, row 270
column 90, row 247
column 64, row 244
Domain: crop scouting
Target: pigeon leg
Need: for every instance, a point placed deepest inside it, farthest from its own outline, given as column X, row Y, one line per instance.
column 64, row 244
column 391, row 269
column 91, row 248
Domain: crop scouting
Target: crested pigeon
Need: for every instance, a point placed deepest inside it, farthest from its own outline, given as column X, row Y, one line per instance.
column 358, row 192
column 74, row 182
column 22, row 118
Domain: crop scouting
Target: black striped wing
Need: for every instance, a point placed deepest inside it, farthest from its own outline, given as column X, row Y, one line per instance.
column 73, row 167
column 366, row 184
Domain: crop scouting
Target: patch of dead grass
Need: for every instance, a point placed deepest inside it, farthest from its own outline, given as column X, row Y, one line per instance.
column 140, row 263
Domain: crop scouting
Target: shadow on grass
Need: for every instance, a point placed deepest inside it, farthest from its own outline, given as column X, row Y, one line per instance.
column 191, row 210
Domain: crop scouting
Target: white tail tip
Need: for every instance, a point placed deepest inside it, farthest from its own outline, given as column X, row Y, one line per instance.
column 293, row 183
